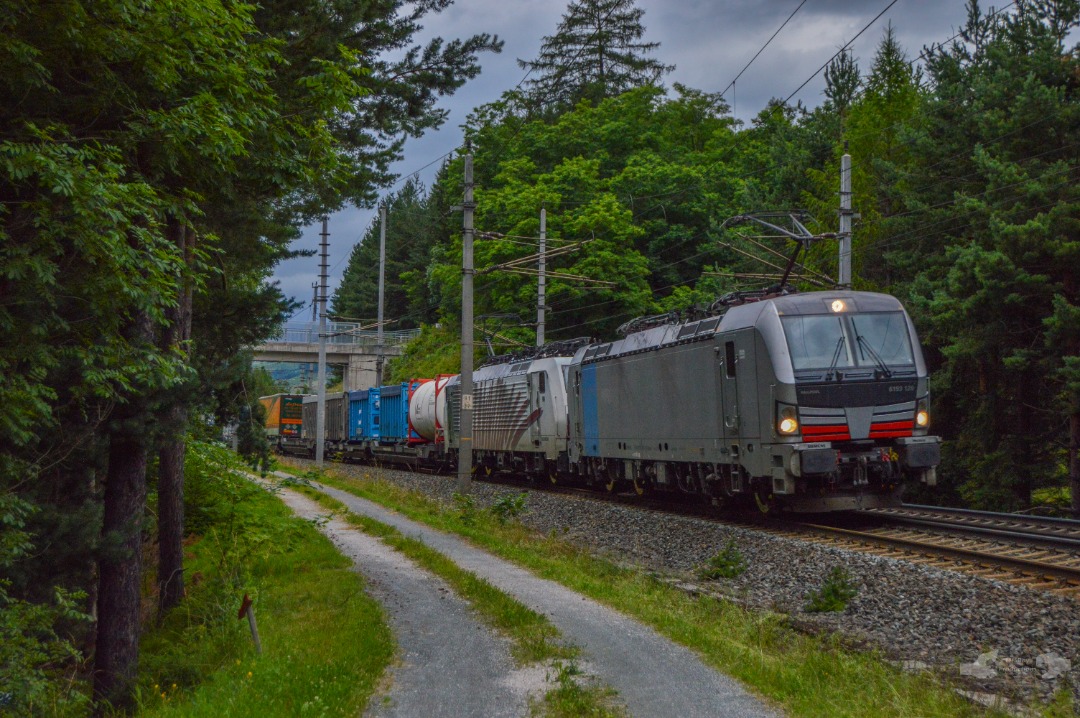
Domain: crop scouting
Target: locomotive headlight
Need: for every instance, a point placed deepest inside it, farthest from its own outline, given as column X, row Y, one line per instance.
column 787, row 421
column 838, row 305
column 922, row 414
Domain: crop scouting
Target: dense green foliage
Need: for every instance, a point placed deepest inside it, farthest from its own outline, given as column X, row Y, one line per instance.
column 325, row 642
column 964, row 179
column 998, row 289
column 156, row 159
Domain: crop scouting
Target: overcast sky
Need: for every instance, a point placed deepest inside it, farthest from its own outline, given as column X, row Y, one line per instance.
column 708, row 41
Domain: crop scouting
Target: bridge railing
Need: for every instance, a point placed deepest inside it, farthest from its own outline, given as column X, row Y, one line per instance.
column 340, row 333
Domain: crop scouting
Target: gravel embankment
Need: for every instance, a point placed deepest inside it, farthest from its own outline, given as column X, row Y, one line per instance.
column 993, row 637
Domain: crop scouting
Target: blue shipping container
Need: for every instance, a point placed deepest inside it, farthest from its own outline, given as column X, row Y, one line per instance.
column 364, row 414
column 394, row 400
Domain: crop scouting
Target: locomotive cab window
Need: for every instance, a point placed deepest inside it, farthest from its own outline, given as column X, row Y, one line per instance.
column 729, row 358
column 882, row 337
column 878, row 340
column 541, row 382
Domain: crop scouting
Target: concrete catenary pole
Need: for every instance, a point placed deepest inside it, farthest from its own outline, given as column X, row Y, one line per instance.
column 465, row 434
column 845, row 220
column 324, row 273
column 540, row 285
column 382, row 284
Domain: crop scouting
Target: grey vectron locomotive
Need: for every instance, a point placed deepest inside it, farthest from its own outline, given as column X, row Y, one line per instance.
column 816, row 402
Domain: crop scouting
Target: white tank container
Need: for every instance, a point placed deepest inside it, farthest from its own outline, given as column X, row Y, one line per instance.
column 427, row 408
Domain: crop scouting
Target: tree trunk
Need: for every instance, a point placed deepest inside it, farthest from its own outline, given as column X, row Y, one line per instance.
column 116, row 652
column 1074, row 462
column 170, row 576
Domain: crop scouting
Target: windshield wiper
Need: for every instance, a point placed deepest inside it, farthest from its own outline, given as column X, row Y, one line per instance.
column 886, row 372
column 835, row 359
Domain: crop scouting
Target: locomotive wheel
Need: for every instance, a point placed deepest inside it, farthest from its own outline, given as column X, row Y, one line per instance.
column 762, row 506
column 641, row 486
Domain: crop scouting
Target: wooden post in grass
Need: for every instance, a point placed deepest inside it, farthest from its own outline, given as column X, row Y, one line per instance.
column 245, row 607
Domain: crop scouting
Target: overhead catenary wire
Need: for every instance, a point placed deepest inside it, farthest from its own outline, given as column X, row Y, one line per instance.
column 731, row 84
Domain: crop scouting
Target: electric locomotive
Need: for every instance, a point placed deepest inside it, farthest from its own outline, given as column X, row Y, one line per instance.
column 813, row 402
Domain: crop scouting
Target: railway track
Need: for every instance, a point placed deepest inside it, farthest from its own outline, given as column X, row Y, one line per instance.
column 1038, row 552
column 1032, row 530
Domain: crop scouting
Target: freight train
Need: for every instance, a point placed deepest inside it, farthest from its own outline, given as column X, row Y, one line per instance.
column 810, row 402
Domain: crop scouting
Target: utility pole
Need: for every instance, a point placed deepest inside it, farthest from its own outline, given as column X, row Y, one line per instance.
column 382, row 280
column 324, row 273
column 540, row 286
column 465, row 433
column 845, row 220
column 305, row 375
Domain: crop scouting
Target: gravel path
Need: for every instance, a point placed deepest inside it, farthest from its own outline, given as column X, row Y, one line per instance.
column 654, row 677
column 449, row 664
column 994, row 638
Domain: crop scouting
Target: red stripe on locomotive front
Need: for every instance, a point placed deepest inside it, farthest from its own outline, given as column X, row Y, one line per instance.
column 826, row 433
column 892, row 429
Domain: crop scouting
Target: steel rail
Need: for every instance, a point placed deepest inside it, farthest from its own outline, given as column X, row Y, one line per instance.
column 1061, row 533
column 1041, row 539
column 974, row 514
column 1039, row 568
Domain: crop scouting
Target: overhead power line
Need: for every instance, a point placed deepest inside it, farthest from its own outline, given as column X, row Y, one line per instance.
column 762, row 48
column 842, row 49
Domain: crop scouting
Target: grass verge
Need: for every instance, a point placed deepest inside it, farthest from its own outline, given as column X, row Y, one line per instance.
column 812, row 676
column 325, row 642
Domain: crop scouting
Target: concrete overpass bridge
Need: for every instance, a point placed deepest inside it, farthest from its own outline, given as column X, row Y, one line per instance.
column 347, row 345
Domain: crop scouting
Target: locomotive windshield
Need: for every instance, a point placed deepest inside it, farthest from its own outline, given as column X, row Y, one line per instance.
column 844, row 341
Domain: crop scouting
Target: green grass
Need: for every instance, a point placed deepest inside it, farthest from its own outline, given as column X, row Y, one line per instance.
column 574, row 697
column 806, row 675
column 325, row 642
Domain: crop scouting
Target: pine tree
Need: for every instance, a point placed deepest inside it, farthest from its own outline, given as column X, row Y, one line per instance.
column 998, row 243
column 410, row 235
column 596, row 52
column 842, row 82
